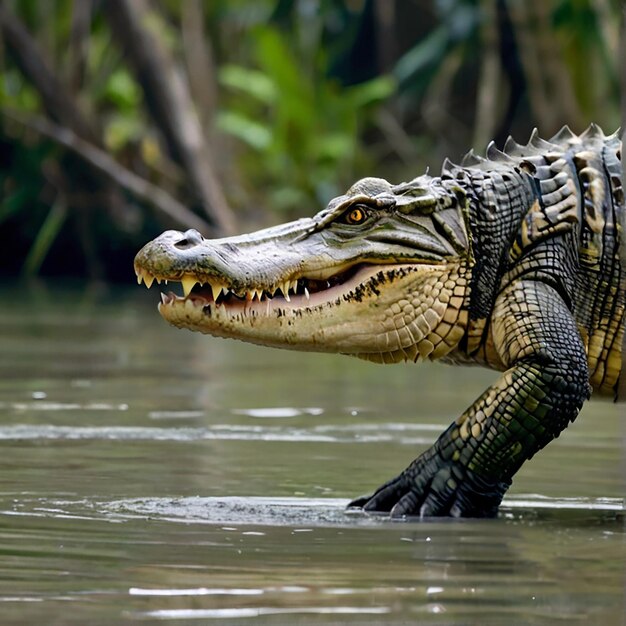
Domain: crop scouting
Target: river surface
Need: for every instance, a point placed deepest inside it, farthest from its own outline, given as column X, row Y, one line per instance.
column 156, row 476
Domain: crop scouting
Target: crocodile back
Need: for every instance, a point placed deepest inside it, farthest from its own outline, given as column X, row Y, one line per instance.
column 580, row 182
column 573, row 235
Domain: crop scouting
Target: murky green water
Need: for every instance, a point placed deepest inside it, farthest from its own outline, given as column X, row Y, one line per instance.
column 157, row 476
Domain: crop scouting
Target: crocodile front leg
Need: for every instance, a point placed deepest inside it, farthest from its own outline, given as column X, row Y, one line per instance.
column 470, row 467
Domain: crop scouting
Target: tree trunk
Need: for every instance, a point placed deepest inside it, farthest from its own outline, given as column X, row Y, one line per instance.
column 54, row 95
column 170, row 104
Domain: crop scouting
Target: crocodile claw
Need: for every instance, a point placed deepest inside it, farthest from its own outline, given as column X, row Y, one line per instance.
column 434, row 487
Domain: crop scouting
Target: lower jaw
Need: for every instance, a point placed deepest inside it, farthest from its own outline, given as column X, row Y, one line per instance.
column 281, row 328
column 277, row 322
column 335, row 320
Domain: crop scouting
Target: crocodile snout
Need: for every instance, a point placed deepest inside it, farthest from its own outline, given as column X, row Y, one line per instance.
column 189, row 239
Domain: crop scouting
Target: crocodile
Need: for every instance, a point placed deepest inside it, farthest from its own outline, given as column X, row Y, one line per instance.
column 514, row 261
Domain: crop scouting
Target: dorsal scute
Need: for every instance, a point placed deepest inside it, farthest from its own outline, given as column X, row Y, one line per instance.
column 494, row 159
column 614, row 141
column 471, row 159
column 565, row 136
column 514, row 149
column 593, row 131
column 571, row 173
column 536, row 146
column 449, row 169
column 495, row 154
column 537, row 142
column 537, row 157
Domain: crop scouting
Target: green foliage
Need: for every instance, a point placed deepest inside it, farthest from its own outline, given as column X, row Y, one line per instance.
column 21, row 204
column 589, row 40
column 47, row 234
column 301, row 130
column 302, row 99
column 458, row 22
column 16, row 93
column 122, row 91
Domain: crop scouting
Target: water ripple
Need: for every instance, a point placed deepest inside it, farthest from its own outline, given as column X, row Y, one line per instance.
column 237, row 513
column 235, row 613
column 360, row 433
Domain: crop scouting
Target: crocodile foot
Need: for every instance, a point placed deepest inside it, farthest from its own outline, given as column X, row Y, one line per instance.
column 434, row 487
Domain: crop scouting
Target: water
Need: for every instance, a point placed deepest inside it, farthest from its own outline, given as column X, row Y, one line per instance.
column 150, row 475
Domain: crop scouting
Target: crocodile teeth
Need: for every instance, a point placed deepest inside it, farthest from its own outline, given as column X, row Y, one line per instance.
column 306, row 294
column 217, row 289
column 167, row 298
column 285, row 289
column 145, row 277
column 189, row 283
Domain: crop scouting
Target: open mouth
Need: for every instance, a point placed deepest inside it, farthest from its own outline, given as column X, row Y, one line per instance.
column 204, row 290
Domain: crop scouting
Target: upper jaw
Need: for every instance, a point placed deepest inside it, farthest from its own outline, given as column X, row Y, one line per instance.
column 265, row 265
column 222, row 265
column 220, row 289
column 240, row 268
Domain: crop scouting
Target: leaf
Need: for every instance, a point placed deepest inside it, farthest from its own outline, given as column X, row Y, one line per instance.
column 251, row 82
column 14, row 91
column 13, row 203
column 372, row 91
column 286, row 198
column 45, row 237
column 426, row 53
column 278, row 60
column 122, row 130
column 295, row 104
column 122, row 90
column 249, row 131
column 334, row 146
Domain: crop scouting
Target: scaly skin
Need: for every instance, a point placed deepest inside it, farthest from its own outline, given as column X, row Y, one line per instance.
column 512, row 262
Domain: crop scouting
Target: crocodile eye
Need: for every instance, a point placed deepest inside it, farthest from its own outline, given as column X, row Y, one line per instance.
column 355, row 216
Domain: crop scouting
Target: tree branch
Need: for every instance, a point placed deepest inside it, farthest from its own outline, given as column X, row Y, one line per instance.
column 489, row 84
column 532, row 64
column 54, row 97
column 199, row 61
column 168, row 100
column 100, row 161
column 79, row 42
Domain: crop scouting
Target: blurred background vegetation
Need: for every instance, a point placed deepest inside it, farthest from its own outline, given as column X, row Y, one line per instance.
column 121, row 118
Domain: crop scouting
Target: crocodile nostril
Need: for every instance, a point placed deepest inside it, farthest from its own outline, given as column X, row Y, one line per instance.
column 190, row 239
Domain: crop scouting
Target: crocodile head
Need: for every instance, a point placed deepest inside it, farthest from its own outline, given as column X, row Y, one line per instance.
column 380, row 273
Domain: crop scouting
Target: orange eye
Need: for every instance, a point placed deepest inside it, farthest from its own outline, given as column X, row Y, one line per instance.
column 355, row 216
